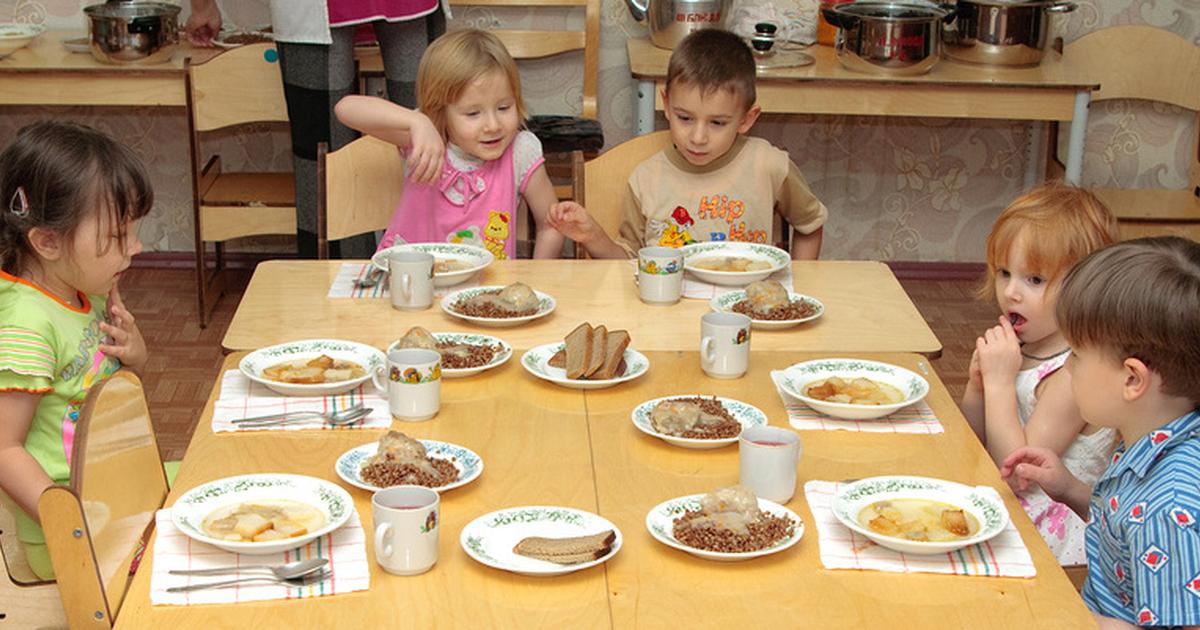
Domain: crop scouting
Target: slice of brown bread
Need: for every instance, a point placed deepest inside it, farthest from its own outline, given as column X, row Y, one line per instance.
column 579, row 350
column 599, row 342
column 546, row 548
column 569, row 558
column 614, row 352
column 559, row 360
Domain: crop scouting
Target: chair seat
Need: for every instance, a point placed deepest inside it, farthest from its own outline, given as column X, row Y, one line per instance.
column 1151, row 204
column 563, row 134
column 251, row 189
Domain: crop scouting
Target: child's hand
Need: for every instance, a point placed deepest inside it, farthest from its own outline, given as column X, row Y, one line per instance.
column 999, row 353
column 125, row 340
column 1035, row 464
column 427, row 153
column 974, row 372
column 572, row 221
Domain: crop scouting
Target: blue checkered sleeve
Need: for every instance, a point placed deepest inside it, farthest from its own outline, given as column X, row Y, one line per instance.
column 1165, row 561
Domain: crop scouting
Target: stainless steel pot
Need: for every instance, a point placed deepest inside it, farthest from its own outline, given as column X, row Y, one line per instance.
column 1004, row 34
column 672, row 20
column 129, row 31
column 890, row 38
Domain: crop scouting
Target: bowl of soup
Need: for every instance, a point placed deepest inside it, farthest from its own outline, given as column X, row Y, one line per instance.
column 920, row 515
column 733, row 264
column 453, row 263
column 854, row 389
column 261, row 513
column 313, row 367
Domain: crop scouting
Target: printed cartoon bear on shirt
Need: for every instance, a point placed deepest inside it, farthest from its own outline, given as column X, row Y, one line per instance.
column 495, row 233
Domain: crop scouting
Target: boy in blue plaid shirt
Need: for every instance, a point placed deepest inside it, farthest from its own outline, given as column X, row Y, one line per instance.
column 1131, row 313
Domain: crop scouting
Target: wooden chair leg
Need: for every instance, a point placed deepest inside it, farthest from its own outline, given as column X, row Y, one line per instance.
column 201, row 283
column 75, row 566
column 30, row 606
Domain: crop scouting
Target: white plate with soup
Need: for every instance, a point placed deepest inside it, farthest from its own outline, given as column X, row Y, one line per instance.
column 854, row 389
column 920, row 515
column 733, row 264
column 263, row 513
column 453, row 263
column 314, row 367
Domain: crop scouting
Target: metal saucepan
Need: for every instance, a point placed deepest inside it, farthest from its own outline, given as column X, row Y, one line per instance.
column 132, row 31
column 1002, row 33
column 889, row 38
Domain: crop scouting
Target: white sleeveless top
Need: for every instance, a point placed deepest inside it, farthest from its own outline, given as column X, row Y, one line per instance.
column 1086, row 458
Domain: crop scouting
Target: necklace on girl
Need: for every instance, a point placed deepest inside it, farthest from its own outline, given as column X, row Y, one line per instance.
column 1034, row 357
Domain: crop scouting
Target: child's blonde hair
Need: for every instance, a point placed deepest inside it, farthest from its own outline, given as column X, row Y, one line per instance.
column 1139, row 299
column 452, row 62
column 1060, row 224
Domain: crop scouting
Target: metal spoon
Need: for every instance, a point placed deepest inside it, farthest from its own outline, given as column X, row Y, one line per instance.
column 371, row 279
column 300, row 582
column 288, row 571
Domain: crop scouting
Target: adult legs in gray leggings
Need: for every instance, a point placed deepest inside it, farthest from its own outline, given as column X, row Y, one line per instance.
column 315, row 78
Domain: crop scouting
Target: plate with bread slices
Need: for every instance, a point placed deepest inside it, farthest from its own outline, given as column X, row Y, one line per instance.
column 588, row 358
column 540, row 540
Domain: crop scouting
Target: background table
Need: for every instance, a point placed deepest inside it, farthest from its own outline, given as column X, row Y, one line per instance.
column 866, row 309
column 542, row 444
column 1054, row 90
column 45, row 73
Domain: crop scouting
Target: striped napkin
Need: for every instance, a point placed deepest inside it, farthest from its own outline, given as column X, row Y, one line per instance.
column 915, row 418
column 345, row 548
column 343, row 284
column 243, row 398
column 1003, row 556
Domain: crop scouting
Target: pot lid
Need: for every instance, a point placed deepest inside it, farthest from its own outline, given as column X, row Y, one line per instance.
column 131, row 9
column 896, row 11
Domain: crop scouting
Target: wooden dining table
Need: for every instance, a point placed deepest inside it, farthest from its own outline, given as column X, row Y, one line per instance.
column 546, row 445
column 866, row 309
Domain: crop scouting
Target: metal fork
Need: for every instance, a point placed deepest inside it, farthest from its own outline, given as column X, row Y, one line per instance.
column 342, row 416
column 308, row 580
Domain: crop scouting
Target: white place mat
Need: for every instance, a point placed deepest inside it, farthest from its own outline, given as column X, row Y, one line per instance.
column 343, row 284
column 345, row 548
column 243, row 398
column 841, row 548
column 915, row 418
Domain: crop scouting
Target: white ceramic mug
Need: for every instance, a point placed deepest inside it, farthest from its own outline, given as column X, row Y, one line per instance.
column 411, row 280
column 412, row 379
column 406, row 528
column 660, row 275
column 767, row 459
column 724, row 344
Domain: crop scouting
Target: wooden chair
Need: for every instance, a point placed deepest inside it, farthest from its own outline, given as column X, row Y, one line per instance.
column 358, row 187
column 25, row 601
column 95, row 526
column 600, row 184
column 1147, row 63
column 236, row 88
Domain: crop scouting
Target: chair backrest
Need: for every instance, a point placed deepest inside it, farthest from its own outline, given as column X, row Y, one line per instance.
column 359, row 186
column 238, row 86
column 1146, row 63
column 536, row 44
column 117, row 484
column 600, row 183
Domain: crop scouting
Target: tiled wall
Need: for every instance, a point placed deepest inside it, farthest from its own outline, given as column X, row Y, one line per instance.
column 898, row 188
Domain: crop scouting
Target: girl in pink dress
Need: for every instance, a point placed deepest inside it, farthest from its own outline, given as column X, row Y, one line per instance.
column 468, row 162
column 1017, row 394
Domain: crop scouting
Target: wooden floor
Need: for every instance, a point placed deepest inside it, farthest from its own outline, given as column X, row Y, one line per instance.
column 184, row 359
